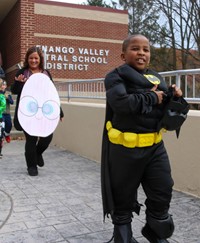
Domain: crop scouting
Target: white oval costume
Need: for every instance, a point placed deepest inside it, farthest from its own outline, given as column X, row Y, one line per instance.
column 39, row 106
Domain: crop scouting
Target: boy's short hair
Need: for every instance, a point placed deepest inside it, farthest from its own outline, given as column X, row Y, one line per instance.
column 127, row 41
column 2, row 82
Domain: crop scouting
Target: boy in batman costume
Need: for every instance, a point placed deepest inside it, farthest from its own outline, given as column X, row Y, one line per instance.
column 133, row 151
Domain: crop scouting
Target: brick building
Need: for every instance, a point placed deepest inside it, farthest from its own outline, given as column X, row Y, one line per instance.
column 79, row 41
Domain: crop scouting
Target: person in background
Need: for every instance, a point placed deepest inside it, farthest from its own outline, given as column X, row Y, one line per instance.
column 2, row 73
column 133, row 151
column 34, row 146
column 2, row 109
column 6, row 114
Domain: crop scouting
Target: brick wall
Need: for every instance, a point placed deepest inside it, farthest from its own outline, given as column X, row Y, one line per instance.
column 27, row 25
column 84, row 29
column 82, row 42
column 10, row 37
column 17, row 34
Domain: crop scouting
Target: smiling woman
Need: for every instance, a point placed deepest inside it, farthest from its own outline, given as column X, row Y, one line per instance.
column 32, row 83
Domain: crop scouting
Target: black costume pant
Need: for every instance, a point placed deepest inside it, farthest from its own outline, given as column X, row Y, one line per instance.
column 131, row 166
column 8, row 123
column 34, row 147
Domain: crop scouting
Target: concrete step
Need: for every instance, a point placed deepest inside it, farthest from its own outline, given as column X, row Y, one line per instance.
column 16, row 135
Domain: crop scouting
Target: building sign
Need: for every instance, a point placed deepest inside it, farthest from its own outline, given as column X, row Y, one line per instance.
column 73, row 59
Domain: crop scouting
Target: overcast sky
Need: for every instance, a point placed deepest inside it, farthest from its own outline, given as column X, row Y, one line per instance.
column 71, row 1
column 75, row 1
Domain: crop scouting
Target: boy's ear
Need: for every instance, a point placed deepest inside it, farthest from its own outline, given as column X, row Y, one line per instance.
column 123, row 56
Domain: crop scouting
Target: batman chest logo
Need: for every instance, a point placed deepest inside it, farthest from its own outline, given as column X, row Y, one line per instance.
column 153, row 79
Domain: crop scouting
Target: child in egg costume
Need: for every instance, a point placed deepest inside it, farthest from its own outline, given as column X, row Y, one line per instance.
column 35, row 145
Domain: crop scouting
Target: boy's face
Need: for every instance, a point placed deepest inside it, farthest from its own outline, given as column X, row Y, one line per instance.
column 4, row 86
column 137, row 53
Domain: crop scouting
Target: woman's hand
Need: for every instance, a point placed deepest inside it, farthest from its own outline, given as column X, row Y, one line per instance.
column 21, row 78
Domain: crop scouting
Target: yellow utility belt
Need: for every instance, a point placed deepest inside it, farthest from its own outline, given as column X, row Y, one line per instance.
column 130, row 139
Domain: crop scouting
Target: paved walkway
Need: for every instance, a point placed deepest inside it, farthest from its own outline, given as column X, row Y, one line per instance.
column 63, row 203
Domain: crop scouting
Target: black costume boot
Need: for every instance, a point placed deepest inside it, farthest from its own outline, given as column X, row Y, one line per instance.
column 40, row 160
column 123, row 234
column 151, row 236
column 31, row 164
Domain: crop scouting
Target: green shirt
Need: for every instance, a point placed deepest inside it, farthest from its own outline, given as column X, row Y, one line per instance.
column 2, row 104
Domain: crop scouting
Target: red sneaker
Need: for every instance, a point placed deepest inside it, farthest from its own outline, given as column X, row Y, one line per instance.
column 8, row 139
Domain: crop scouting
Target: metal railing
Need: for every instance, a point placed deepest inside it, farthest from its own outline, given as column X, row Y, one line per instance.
column 188, row 80
column 84, row 89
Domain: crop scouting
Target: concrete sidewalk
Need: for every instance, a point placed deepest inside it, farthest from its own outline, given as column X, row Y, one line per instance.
column 63, row 203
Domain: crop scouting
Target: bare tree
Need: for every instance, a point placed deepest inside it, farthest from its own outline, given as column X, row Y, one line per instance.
column 196, row 23
column 172, row 26
column 181, row 21
column 143, row 18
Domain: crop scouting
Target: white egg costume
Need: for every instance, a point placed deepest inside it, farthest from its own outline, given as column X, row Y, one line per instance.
column 39, row 106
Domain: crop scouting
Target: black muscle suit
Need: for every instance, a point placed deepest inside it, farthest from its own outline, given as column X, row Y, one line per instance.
column 133, row 107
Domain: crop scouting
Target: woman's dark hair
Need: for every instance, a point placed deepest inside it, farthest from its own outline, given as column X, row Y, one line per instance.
column 29, row 52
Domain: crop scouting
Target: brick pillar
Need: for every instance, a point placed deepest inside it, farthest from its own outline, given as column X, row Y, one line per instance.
column 27, row 25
